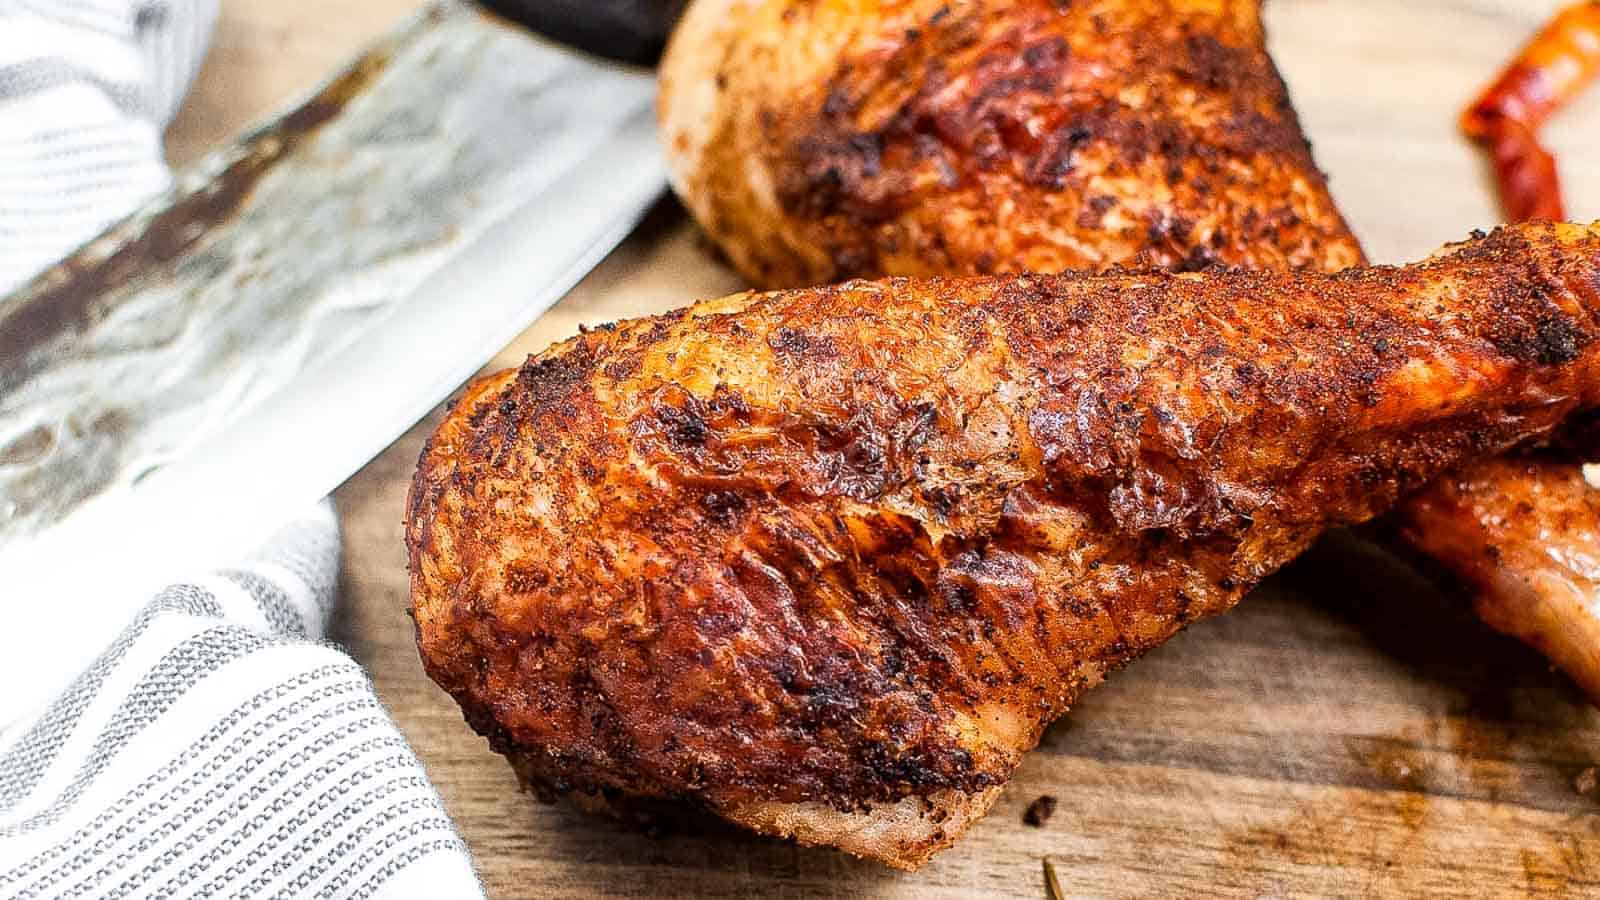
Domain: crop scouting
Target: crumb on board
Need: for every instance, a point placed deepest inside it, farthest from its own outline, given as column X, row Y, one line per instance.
column 1586, row 781
column 1040, row 810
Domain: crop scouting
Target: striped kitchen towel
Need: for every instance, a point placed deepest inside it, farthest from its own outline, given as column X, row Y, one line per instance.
column 217, row 748
column 86, row 88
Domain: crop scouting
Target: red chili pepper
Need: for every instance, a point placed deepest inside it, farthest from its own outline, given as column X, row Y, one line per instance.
column 1551, row 70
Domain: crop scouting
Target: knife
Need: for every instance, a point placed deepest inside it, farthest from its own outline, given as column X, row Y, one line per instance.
column 229, row 354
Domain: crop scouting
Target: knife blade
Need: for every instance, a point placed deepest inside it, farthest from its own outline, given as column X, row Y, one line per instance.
column 232, row 352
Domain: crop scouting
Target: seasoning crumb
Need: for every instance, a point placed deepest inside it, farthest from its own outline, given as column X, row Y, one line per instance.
column 1042, row 808
column 1586, row 781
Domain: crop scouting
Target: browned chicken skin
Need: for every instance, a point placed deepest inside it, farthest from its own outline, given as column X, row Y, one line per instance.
column 826, row 562
column 1522, row 535
column 821, row 140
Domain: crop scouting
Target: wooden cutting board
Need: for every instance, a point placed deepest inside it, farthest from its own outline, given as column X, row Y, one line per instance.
column 1347, row 730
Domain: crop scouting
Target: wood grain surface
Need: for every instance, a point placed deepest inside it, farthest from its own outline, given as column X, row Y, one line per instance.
column 1348, row 730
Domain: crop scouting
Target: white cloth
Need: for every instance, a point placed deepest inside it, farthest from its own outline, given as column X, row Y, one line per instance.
column 218, row 747
column 86, row 88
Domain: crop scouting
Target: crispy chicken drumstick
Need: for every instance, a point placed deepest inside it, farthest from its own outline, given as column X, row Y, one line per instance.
column 1522, row 535
column 826, row 562
column 816, row 141
column 822, row 141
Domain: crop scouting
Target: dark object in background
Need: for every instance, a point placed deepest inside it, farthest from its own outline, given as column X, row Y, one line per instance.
column 1040, row 810
column 629, row 30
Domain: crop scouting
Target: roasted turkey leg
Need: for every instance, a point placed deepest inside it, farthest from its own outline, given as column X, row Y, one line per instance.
column 826, row 562
column 816, row 141
column 1521, row 535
